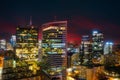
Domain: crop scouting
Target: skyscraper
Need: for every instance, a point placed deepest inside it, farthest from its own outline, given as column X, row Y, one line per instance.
column 13, row 40
column 108, row 48
column 54, row 35
column 3, row 44
column 26, row 42
column 85, row 49
column 97, row 45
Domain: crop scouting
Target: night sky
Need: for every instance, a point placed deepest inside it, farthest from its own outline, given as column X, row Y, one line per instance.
column 83, row 16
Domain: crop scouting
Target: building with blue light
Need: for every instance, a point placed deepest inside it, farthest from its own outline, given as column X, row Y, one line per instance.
column 97, row 45
column 13, row 40
column 108, row 48
column 97, row 41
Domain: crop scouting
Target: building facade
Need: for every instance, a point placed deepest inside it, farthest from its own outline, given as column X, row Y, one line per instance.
column 26, row 42
column 108, row 48
column 3, row 44
column 13, row 40
column 97, row 46
column 54, row 38
column 85, row 50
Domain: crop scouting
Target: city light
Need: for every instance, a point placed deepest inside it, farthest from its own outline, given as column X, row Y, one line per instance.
column 54, row 56
column 67, row 40
column 95, row 32
column 114, row 79
column 109, row 43
column 69, row 70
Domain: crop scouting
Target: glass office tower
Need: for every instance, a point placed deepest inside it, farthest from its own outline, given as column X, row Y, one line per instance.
column 54, row 35
column 97, row 46
column 85, row 50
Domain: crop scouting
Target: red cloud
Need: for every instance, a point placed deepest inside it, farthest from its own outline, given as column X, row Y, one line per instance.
column 84, row 23
column 73, row 38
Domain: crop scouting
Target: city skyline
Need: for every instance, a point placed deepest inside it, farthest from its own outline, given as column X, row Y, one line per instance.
column 82, row 16
column 89, row 60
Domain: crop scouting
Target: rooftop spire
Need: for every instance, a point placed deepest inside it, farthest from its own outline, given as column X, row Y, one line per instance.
column 30, row 20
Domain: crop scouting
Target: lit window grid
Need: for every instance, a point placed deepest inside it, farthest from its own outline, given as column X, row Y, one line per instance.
column 27, row 39
column 49, row 41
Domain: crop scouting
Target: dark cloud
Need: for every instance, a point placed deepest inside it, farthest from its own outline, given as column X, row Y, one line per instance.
column 82, row 26
column 82, row 15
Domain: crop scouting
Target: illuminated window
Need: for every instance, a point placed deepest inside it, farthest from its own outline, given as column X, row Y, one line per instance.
column 50, row 27
column 60, row 32
column 62, row 28
column 17, row 28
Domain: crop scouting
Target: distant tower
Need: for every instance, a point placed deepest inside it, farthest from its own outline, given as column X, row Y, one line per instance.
column 30, row 20
column 13, row 40
column 108, row 48
column 85, row 50
column 3, row 44
column 97, row 45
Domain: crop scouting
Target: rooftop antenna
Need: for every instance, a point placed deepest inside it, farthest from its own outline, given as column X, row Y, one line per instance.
column 30, row 20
